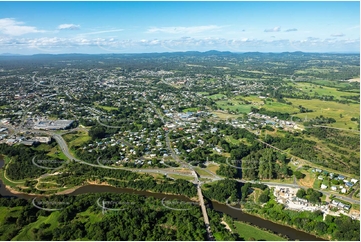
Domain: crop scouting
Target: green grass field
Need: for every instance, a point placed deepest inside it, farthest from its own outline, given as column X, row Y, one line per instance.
column 106, row 108
column 54, row 152
column 190, row 110
column 213, row 168
column 244, row 108
column 247, row 232
column 311, row 89
column 280, row 107
column 224, row 116
column 317, row 184
column 331, row 110
column 76, row 139
column 26, row 234
column 201, row 172
column 187, row 178
column 7, row 181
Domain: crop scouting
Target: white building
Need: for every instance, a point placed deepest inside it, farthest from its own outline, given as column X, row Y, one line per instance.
column 354, row 181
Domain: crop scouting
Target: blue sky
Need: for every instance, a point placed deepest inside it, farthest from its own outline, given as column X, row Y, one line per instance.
column 136, row 27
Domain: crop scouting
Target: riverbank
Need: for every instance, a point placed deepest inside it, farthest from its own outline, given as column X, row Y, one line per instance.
column 100, row 188
column 246, row 212
column 284, row 224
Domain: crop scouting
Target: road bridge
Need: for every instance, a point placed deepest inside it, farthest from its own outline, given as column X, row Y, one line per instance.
column 203, row 207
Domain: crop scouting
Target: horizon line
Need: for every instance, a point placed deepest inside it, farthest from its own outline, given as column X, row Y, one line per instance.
column 167, row 52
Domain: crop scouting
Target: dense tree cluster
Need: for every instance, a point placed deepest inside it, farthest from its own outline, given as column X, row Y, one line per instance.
column 22, row 166
column 265, row 164
column 222, row 190
column 311, row 195
column 340, row 228
column 144, row 219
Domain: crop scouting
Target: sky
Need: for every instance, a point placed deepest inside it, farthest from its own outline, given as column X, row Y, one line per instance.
column 145, row 27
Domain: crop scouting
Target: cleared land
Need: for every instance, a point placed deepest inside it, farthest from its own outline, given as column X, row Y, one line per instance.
column 329, row 109
column 247, row 232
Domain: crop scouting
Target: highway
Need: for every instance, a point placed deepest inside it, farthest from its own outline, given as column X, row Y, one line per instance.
column 65, row 150
column 59, row 139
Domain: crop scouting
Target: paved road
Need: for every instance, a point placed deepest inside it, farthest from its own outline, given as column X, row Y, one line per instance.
column 66, row 152
column 298, row 186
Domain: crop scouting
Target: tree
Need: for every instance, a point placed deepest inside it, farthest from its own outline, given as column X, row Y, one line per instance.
column 97, row 132
column 263, row 198
column 299, row 175
column 301, row 193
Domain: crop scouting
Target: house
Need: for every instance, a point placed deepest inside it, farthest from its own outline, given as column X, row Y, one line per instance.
column 333, row 188
column 341, row 205
column 217, row 149
column 349, row 184
column 334, row 202
column 347, row 207
column 45, row 140
column 28, row 142
column 213, row 130
column 343, row 190
column 331, row 175
column 323, row 186
column 318, row 170
column 354, row 181
column 320, row 178
column 341, row 177
column 10, row 141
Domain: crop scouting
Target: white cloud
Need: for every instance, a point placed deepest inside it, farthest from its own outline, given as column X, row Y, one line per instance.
column 183, row 30
column 275, row 29
column 114, row 45
column 68, row 26
column 103, row 31
column 291, row 30
column 337, row 35
column 354, row 27
column 9, row 26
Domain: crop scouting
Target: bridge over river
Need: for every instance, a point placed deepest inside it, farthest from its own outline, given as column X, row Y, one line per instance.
column 203, row 207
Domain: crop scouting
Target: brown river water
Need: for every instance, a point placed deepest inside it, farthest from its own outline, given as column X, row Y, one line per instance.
column 292, row 233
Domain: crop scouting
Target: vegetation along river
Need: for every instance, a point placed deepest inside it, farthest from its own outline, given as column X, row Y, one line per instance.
column 293, row 234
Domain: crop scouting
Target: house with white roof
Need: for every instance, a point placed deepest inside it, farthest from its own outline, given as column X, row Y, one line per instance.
column 354, row 181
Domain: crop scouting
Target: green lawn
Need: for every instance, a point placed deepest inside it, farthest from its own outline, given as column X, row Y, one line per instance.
column 190, row 110
column 76, row 139
column 322, row 90
column 317, row 184
column 201, row 172
column 26, row 234
column 280, row 107
column 90, row 217
column 106, row 108
column 246, row 232
column 329, row 109
column 4, row 211
column 9, row 182
column 187, row 178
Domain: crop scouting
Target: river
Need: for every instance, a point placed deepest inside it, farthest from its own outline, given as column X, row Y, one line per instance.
column 293, row 234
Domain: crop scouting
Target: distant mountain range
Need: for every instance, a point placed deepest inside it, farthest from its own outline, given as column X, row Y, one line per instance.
column 10, row 54
column 206, row 53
